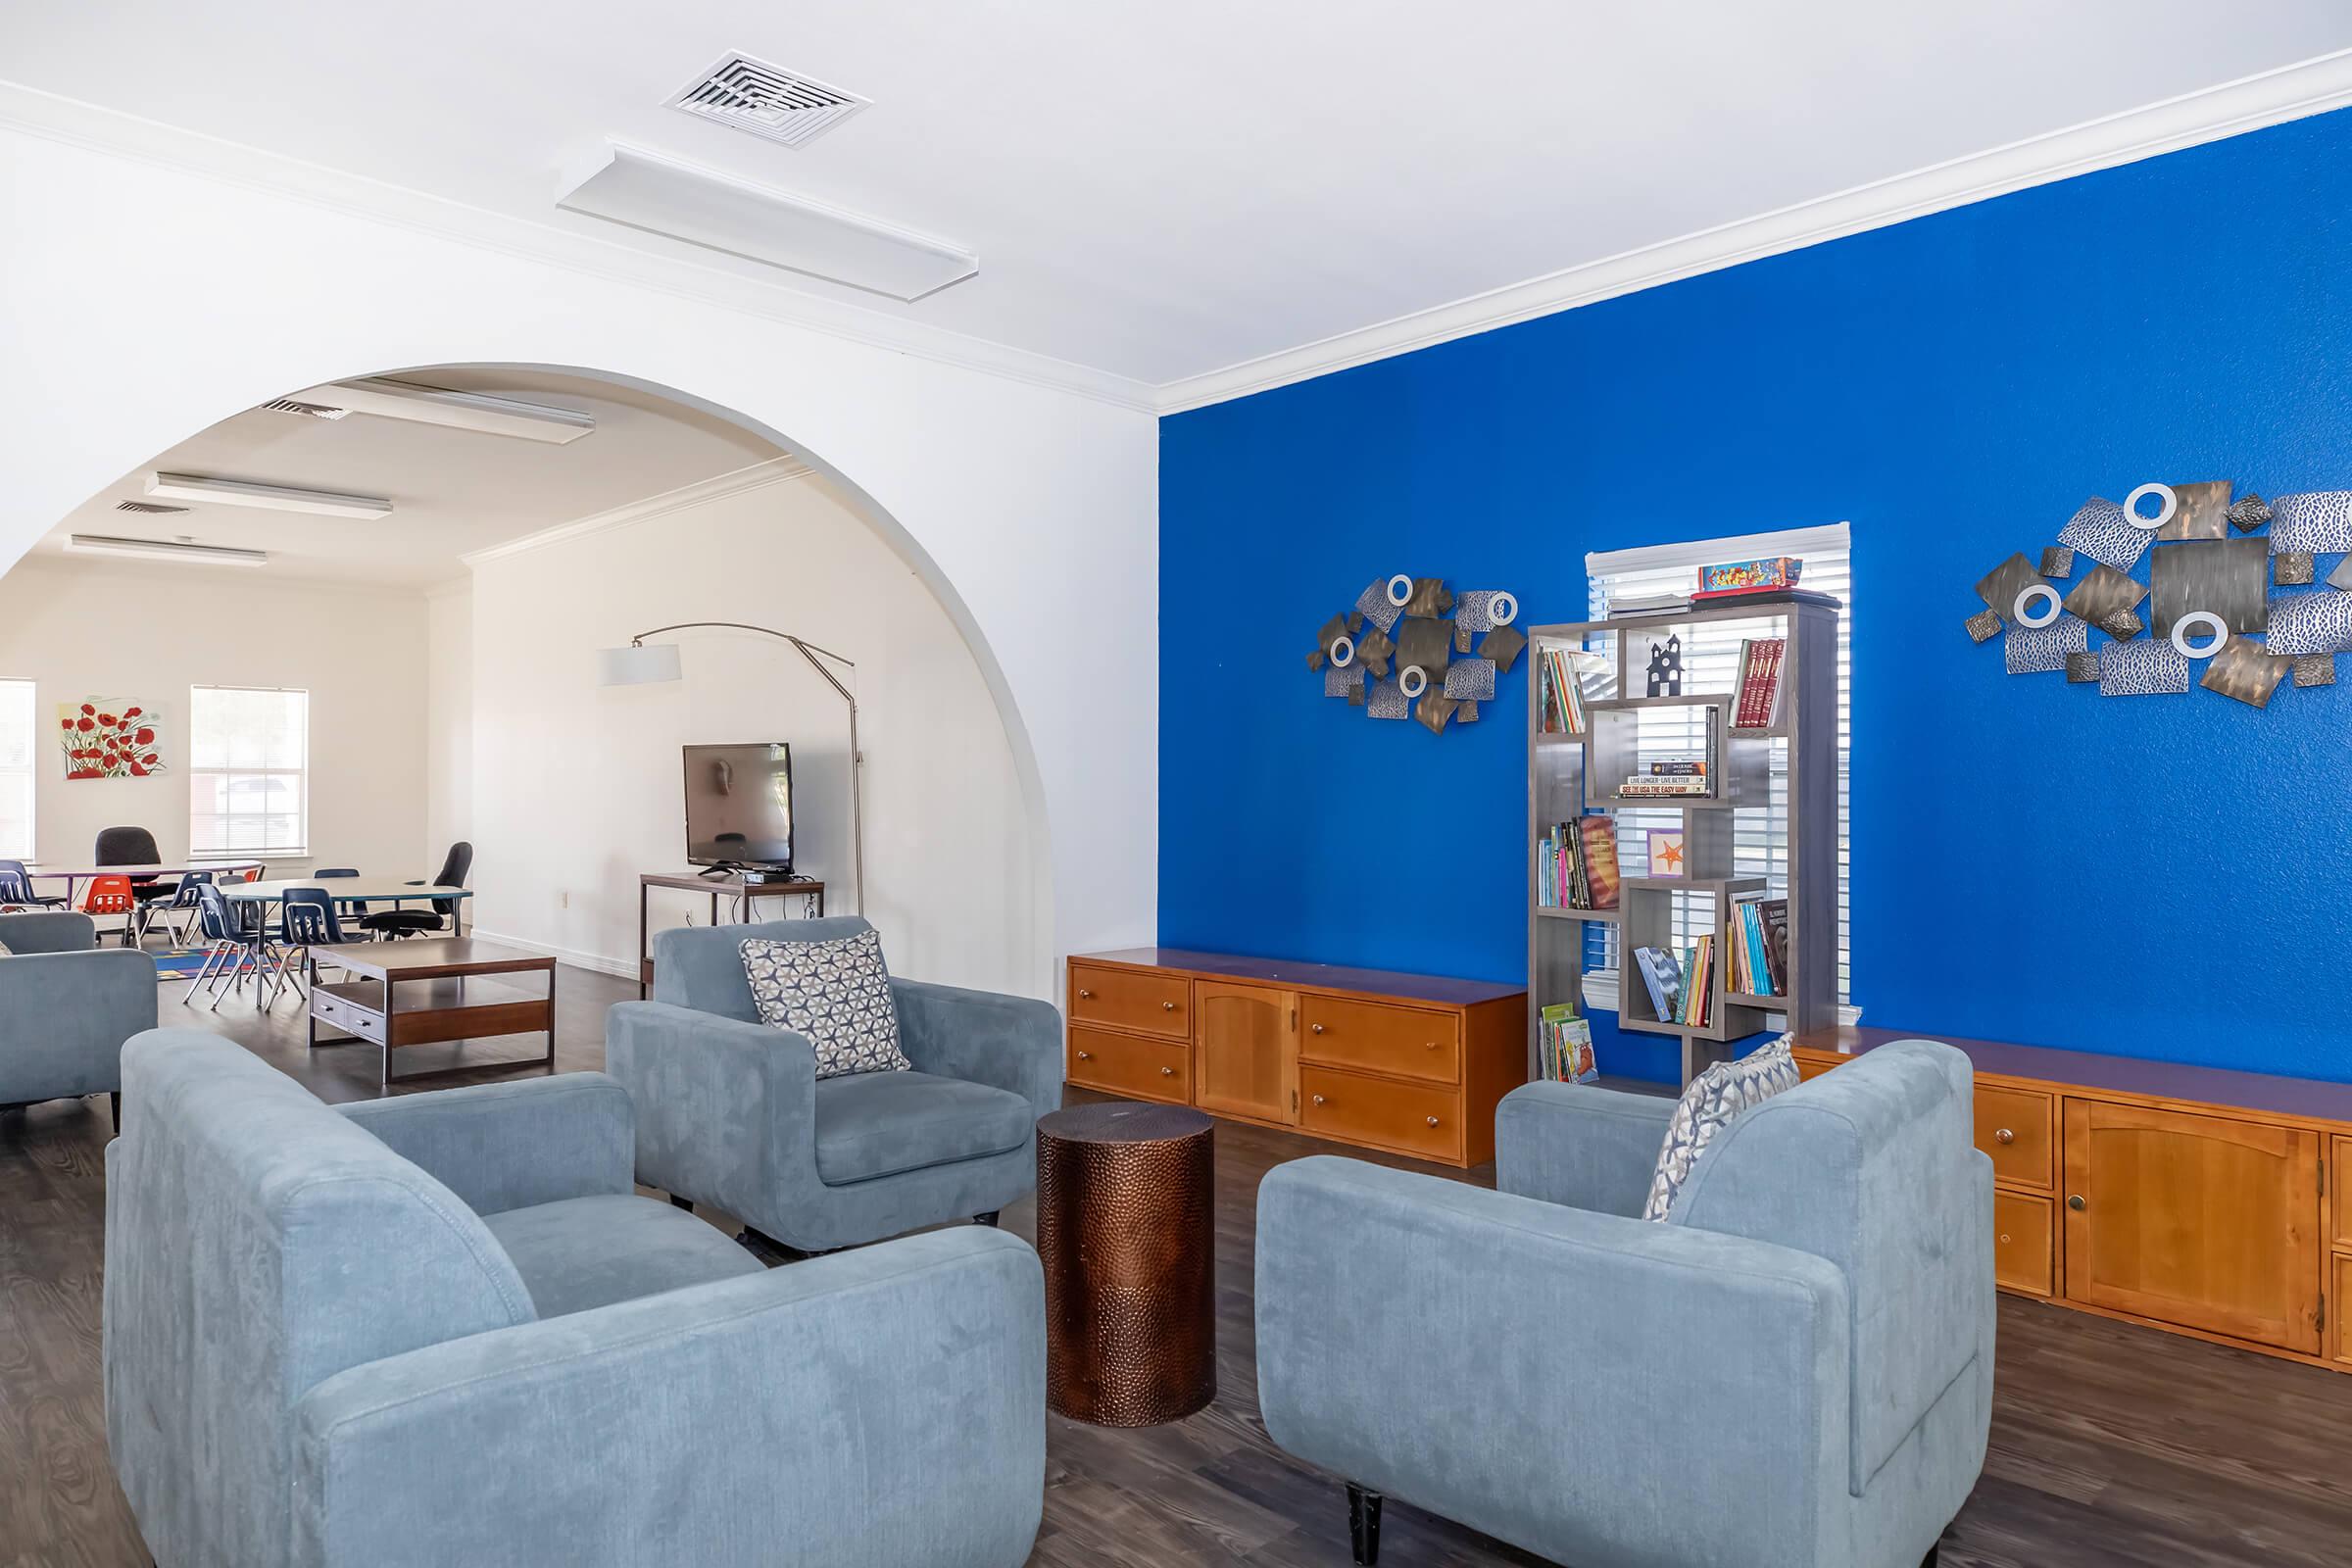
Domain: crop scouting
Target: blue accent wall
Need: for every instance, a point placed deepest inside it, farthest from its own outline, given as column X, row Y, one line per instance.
column 2165, row 877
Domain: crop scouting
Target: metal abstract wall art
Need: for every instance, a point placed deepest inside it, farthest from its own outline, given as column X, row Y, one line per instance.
column 1393, row 652
column 2190, row 565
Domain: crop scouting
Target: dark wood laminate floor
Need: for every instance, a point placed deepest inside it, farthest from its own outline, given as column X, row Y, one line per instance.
column 2111, row 1444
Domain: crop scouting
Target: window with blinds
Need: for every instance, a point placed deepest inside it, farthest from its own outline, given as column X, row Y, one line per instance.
column 249, row 753
column 1711, row 658
column 16, row 743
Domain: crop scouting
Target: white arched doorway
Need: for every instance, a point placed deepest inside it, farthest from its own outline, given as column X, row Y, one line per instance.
column 1030, row 510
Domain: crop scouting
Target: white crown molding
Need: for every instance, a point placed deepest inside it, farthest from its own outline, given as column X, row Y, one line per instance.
column 110, row 131
column 2251, row 102
column 645, row 508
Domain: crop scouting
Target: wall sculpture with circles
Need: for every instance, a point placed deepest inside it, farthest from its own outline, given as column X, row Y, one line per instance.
column 2181, row 576
column 1426, row 632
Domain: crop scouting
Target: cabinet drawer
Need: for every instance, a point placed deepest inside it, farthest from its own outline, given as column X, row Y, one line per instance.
column 1380, row 1111
column 1147, row 1069
column 1132, row 998
column 2014, row 1126
column 2021, row 1243
column 1409, row 1042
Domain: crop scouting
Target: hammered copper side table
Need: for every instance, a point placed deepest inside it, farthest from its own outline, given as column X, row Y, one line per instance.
column 1126, row 1231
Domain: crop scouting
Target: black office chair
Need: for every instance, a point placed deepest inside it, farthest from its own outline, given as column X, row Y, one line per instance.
column 443, row 915
column 16, row 886
column 134, row 845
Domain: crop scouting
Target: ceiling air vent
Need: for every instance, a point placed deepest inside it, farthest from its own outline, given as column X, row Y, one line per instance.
column 146, row 509
column 313, row 410
column 768, row 100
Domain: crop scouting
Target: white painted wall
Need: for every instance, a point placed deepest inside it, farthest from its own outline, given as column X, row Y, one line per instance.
column 147, row 635
column 1031, row 511
column 447, row 720
column 577, row 787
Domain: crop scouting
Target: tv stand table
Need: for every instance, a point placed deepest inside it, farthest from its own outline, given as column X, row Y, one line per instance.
column 733, row 884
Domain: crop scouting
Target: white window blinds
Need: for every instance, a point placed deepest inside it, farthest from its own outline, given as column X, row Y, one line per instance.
column 17, row 746
column 1710, row 659
column 249, row 753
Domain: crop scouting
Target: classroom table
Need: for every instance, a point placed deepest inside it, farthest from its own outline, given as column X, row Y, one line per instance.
column 351, row 890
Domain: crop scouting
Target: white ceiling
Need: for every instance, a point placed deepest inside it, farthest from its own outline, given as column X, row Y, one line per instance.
column 1163, row 191
column 452, row 491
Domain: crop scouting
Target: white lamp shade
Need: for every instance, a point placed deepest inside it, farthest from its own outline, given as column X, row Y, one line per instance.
column 636, row 665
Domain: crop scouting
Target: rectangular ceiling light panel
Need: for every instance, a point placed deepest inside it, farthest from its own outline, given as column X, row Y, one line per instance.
column 98, row 544
column 265, row 497
column 478, row 411
column 703, row 207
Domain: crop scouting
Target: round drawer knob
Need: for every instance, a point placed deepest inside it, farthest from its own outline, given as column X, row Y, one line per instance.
column 1167, row 1006
column 1086, row 1055
column 1085, row 995
column 1167, row 1072
column 2076, row 1204
column 1432, row 1120
column 1318, row 1100
column 1429, row 1044
column 2004, row 1136
column 1315, row 1028
column 2004, row 1238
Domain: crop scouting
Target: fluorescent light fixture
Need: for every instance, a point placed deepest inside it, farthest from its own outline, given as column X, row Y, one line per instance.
column 478, row 411
column 644, row 190
column 637, row 665
column 266, row 497
column 98, row 544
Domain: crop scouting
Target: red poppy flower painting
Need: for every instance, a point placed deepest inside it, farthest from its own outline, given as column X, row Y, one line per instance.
column 106, row 739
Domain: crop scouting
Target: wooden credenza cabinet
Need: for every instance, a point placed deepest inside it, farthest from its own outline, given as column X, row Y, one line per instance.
column 2190, row 1198
column 1414, row 1064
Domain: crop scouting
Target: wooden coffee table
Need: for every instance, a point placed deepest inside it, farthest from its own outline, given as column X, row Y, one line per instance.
column 428, row 990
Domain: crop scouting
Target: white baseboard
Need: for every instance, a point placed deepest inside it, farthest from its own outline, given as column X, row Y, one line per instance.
column 621, row 969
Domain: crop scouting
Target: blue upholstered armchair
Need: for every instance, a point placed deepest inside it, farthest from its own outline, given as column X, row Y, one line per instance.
column 441, row 1328
column 66, row 1008
column 730, row 1112
column 1795, row 1370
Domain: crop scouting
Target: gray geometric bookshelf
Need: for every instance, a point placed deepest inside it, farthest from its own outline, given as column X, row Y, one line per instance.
column 1573, row 775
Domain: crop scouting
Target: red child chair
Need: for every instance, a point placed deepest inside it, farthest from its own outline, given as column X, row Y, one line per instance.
column 110, row 895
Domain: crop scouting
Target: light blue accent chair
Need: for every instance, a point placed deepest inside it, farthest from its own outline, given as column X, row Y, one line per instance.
column 66, row 1008
column 440, row 1330
column 1795, row 1370
column 730, row 1112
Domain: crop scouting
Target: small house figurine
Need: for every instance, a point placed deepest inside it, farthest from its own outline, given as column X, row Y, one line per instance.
column 1666, row 667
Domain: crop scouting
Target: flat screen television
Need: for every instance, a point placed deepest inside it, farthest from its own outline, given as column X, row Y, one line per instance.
column 739, row 806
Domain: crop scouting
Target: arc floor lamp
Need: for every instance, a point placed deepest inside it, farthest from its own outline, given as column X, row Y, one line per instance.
column 639, row 665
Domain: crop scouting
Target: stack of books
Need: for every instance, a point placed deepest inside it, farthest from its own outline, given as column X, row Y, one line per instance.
column 1575, row 864
column 1681, row 985
column 1564, row 1053
column 1679, row 776
column 1561, row 671
column 1756, row 939
column 1756, row 697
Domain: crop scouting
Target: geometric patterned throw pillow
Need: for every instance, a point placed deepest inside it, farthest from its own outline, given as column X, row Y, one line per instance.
column 1715, row 1099
column 837, row 992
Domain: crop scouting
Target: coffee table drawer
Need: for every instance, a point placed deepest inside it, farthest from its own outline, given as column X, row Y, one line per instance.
column 1380, row 1111
column 1122, row 1064
column 1132, row 998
